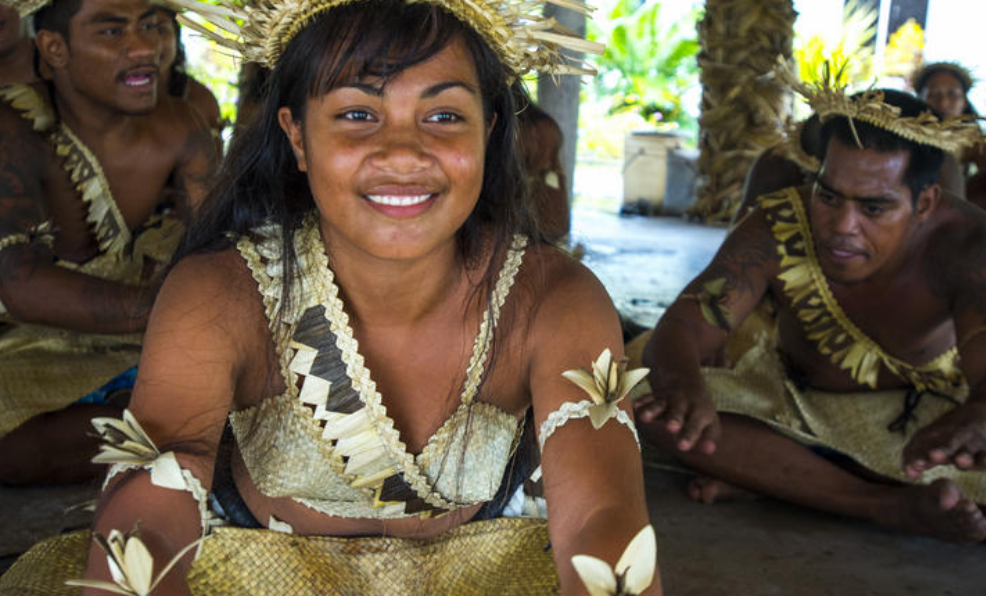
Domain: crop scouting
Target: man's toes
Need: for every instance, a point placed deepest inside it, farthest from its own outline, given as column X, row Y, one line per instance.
column 702, row 489
column 949, row 495
column 972, row 521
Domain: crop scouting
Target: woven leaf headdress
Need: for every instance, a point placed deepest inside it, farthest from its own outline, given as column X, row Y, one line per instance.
column 24, row 7
column 828, row 98
column 516, row 30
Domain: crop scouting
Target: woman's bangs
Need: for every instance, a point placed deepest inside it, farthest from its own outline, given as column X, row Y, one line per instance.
column 360, row 44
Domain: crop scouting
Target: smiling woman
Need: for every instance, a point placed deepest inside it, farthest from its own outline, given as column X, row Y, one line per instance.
column 367, row 305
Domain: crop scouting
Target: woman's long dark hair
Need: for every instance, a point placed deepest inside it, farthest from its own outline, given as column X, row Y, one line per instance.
column 260, row 182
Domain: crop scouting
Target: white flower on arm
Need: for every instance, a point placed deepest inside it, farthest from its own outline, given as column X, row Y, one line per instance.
column 126, row 444
column 124, row 441
column 131, row 565
column 634, row 571
column 607, row 384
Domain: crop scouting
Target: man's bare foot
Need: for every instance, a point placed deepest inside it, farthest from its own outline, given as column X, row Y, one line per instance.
column 938, row 510
column 709, row 490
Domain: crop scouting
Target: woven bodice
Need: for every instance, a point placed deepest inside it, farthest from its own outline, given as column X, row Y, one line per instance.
column 327, row 441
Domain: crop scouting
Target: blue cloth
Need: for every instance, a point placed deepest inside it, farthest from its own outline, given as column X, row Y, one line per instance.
column 124, row 380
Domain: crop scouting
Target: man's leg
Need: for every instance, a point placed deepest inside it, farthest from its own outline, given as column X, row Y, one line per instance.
column 54, row 448
column 752, row 456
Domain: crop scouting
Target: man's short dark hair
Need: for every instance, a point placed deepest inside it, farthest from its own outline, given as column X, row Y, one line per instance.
column 56, row 15
column 925, row 161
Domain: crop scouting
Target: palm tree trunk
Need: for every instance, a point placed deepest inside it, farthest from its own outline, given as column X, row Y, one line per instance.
column 743, row 108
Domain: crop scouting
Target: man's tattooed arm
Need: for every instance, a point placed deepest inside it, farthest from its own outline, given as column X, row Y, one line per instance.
column 22, row 209
column 738, row 277
column 33, row 289
column 693, row 331
column 960, row 278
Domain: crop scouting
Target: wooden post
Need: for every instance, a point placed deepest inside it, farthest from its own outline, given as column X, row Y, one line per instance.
column 560, row 97
column 743, row 111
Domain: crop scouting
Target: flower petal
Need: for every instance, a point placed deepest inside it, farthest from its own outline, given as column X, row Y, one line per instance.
column 613, row 380
column 638, row 561
column 596, row 575
column 600, row 413
column 166, row 472
column 629, row 380
column 586, row 382
column 99, row 585
column 139, row 565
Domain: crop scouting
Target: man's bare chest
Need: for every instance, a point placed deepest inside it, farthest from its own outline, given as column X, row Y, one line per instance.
column 905, row 321
column 122, row 191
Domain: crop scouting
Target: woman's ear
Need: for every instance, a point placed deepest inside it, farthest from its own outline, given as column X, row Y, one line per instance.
column 489, row 128
column 53, row 48
column 292, row 129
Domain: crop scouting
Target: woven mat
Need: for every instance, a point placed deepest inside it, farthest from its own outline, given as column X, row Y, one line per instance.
column 502, row 557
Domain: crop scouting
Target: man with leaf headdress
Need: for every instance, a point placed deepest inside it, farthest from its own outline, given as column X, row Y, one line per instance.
column 866, row 396
column 83, row 160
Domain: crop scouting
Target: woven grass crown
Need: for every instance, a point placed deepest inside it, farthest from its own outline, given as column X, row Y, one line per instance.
column 25, row 7
column 516, row 30
column 829, row 99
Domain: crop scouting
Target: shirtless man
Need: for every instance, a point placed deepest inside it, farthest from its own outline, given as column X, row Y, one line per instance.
column 83, row 162
column 16, row 49
column 880, row 274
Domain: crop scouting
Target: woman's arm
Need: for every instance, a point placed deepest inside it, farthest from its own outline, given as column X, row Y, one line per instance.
column 203, row 325
column 593, row 479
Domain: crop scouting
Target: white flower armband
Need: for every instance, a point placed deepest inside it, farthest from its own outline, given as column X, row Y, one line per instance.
column 131, row 565
column 126, row 446
column 607, row 384
column 633, row 574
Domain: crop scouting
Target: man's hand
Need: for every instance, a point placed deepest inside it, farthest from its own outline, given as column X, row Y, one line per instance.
column 957, row 438
column 689, row 416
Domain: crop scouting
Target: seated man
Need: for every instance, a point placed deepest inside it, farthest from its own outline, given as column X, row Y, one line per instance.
column 83, row 162
column 16, row 48
column 866, row 394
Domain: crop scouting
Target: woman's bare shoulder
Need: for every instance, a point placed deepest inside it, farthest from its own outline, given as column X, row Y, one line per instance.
column 568, row 297
column 556, row 274
column 213, row 290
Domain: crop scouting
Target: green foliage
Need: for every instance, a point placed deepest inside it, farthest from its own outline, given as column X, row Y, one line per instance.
column 904, row 50
column 649, row 62
column 850, row 48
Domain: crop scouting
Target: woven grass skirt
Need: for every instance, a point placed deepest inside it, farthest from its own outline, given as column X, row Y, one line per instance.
column 500, row 556
column 856, row 424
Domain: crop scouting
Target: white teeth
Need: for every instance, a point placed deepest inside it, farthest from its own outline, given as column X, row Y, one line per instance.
column 398, row 201
column 136, row 82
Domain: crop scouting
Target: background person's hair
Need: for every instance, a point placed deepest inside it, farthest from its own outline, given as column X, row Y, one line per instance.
column 925, row 161
column 178, row 78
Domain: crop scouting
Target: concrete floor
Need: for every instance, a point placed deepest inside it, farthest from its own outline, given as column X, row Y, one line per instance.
column 746, row 548
column 644, row 262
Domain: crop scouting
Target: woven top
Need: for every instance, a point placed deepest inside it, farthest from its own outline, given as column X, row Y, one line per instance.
column 327, row 441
